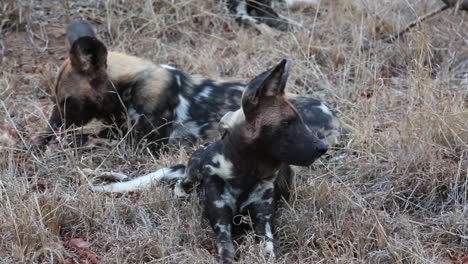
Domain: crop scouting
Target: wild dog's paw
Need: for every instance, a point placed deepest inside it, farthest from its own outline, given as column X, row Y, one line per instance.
column 226, row 253
column 179, row 191
column 270, row 250
column 40, row 142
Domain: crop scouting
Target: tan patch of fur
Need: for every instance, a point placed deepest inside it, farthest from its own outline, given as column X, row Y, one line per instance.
column 197, row 79
column 159, row 80
column 127, row 67
column 122, row 66
column 218, row 82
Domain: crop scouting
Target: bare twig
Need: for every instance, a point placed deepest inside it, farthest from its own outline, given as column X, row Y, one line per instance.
column 391, row 38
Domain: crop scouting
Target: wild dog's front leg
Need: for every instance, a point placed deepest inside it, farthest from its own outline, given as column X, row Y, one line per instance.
column 218, row 209
column 193, row 174
column 262, row 212
column 68, row 113
column 184, row 186
column 151, row 125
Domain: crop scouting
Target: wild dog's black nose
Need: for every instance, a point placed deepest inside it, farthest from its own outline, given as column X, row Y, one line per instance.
column 321, row 148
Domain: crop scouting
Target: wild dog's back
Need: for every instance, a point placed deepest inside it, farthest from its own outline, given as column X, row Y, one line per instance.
column 205, row 102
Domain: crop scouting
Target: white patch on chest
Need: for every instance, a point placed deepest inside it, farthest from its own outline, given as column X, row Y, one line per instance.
column 224, row 169
column 228, row 198
column 257, row 194
column 222, row 228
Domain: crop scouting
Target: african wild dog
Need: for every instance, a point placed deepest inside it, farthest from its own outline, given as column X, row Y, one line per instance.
column 163, row 104
column 258, row 12
column 241, row 172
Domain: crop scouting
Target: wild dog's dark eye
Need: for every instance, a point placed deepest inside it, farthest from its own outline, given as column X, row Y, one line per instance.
column 287, row 122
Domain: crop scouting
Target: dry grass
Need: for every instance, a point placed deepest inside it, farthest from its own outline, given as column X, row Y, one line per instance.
column 399, row 196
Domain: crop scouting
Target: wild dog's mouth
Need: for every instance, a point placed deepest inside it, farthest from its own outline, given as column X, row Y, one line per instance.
column 304, row 163
column 303, row 155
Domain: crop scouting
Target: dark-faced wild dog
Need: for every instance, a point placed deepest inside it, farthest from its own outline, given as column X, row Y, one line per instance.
column 159, row 103
column 241, row 172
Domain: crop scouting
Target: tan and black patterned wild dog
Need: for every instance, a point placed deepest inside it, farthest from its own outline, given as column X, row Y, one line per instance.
column 163, row 104
column 241, row 173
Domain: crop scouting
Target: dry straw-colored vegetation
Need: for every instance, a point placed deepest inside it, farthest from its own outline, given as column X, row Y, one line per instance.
column 397, row 194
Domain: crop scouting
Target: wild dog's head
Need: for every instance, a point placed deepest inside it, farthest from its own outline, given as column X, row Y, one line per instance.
column 84, row 72
column 269, row 123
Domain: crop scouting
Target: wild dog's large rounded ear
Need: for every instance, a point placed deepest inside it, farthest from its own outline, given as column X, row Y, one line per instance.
column 269, row 83
column 88, row 55
column 275, row 83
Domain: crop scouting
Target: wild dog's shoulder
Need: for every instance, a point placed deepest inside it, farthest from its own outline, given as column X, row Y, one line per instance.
column 124, row 68
column 121, row 64
column 210, row 160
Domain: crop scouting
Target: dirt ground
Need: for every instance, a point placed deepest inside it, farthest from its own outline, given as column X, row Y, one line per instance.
column 396, row 190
